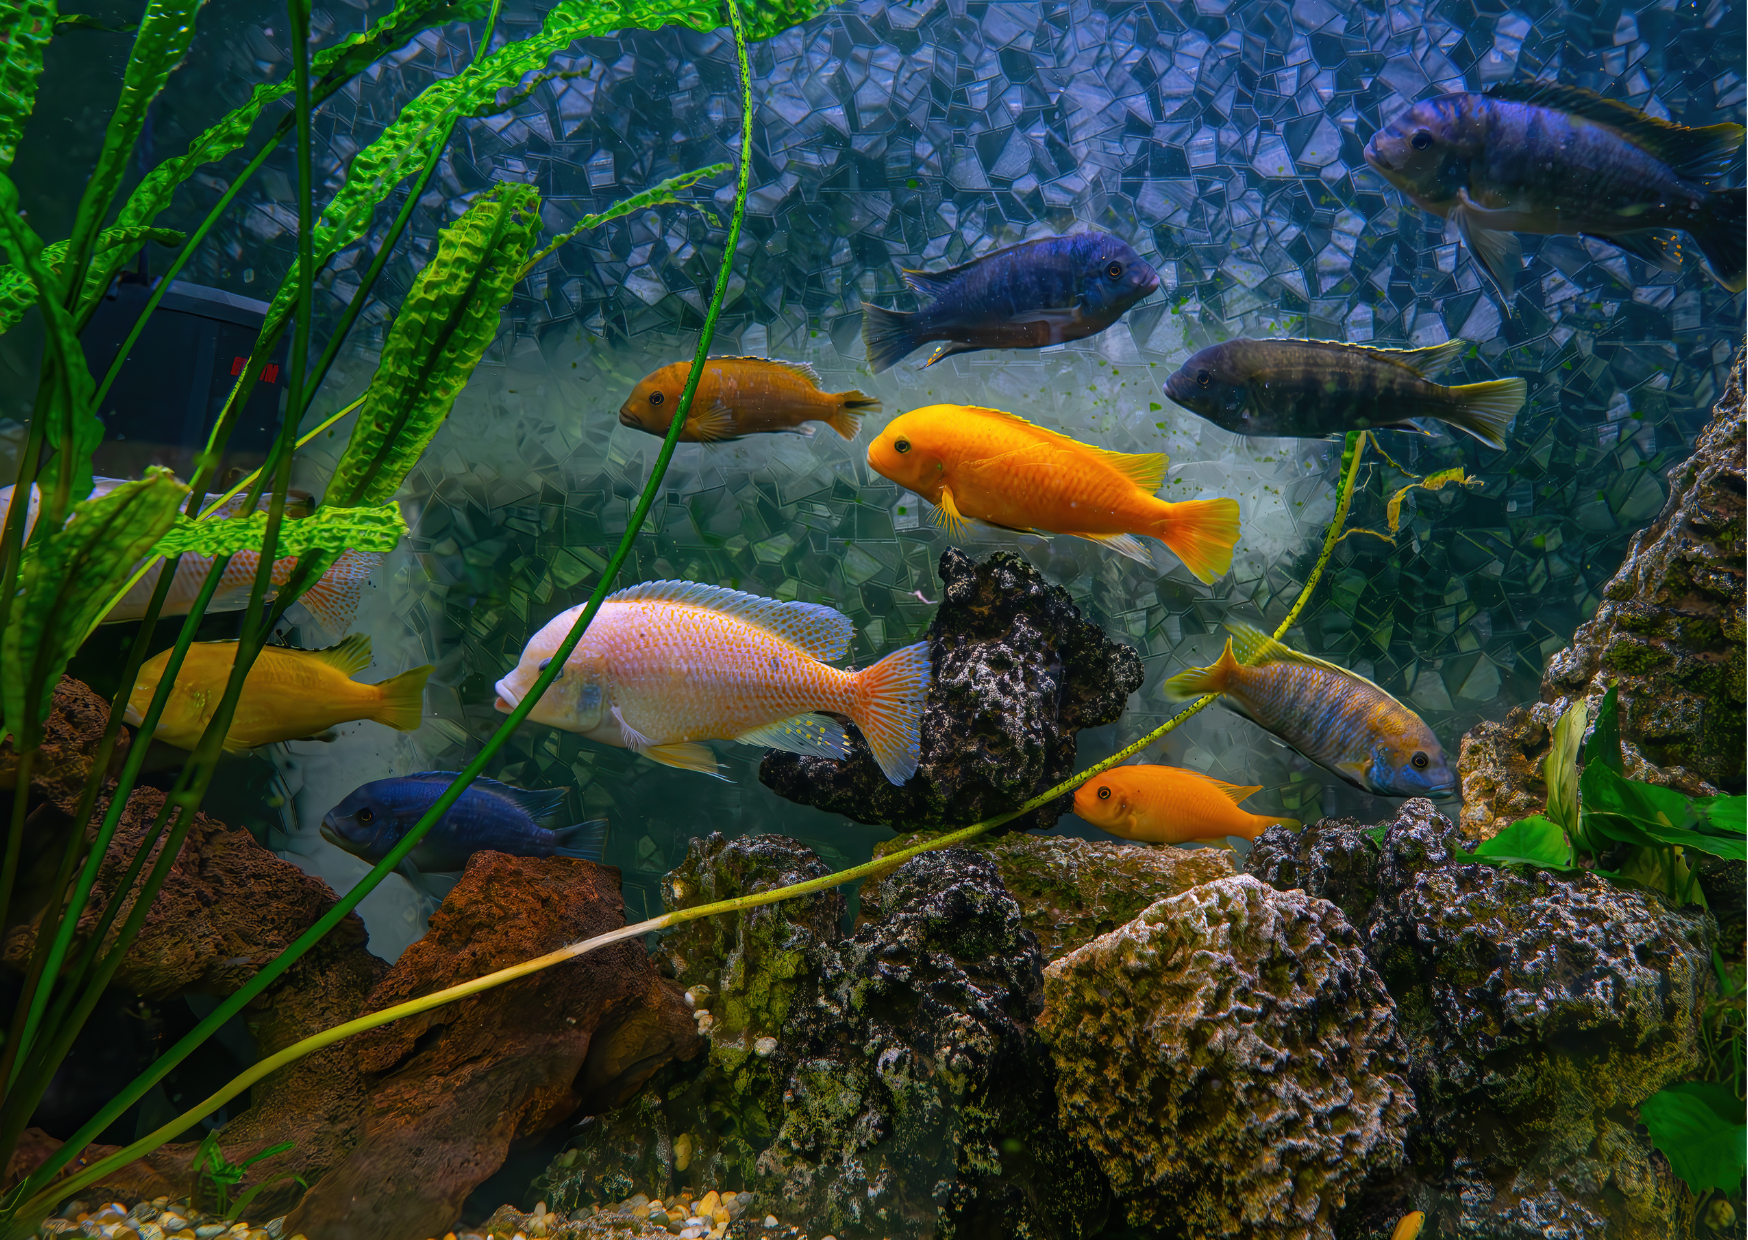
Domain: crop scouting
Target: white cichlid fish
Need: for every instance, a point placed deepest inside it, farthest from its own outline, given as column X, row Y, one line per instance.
column 333, row 600
column 667, row 664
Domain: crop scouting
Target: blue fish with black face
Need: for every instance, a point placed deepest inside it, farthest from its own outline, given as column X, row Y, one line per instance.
column 1025, row 296
column 487, row 816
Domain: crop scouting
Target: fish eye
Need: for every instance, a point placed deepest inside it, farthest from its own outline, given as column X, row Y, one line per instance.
column 544, row 664
column 1203, row 378
column 1421, row 140
column 366, row 816
column 1420, row 761
column 901, row 446
column 656, row 398
column 1104, row 794
column 1115, row 271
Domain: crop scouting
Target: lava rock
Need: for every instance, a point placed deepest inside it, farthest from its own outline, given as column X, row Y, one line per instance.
column 1232, row 1059
column 921, row 1103
column 1071, row 890
column 58, row 772
column 1670, row 632
column 1537, row 1009
column 1017, row 672
column 449, row 1089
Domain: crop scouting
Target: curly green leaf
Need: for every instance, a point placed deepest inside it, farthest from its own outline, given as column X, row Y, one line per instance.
column 116, row 247
column 68, row 575
column 663, row 193
column 377, row 528
column 26, row 26
column 446, row 323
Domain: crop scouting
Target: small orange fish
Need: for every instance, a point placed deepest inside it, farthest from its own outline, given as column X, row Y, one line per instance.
column 287, row 694
column 743, row 396
column 1170, row 805
column 990, row 466
column 669, row 663
column 1409, row 1225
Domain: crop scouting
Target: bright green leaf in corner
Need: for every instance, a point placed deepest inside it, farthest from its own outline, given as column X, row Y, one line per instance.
column 445, row 325
column 1699, row 1128
column 334, row 530
column 1529, row 841
column 26, row 26
column 68, row 577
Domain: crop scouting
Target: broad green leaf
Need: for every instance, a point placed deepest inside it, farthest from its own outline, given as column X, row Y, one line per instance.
column 166, row 30
column 1560, row 768
column 1635, row 812
column 764, row 18
column 1529, row 841
column 1699, row 1128
column 26, row 26
column 115, row 249
column 1604, row 745
column 1661, row 869
column 1723, row 813
column 445, row 325
column 67, row 577
column 376, row 529
column 663, row 193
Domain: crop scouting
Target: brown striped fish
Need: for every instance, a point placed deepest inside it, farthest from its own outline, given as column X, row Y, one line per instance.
column 743, row 396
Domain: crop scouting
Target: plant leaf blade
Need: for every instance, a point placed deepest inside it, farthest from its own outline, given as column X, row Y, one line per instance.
column 1530, row 841
column 1698, row 1127
column 27, row 26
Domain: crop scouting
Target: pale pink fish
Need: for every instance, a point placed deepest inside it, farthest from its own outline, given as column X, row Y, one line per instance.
column 667, row 664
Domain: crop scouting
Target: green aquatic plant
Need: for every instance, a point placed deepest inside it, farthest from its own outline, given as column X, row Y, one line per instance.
column 219, row 1176
column 377, row 528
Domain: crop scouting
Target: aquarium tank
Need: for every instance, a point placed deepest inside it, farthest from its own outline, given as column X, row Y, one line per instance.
column 873, row 621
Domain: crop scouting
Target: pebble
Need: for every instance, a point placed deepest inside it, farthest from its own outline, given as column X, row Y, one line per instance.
column 207, row 1231
column 151, row 1231
column 764, row 1047
column 770, row 1221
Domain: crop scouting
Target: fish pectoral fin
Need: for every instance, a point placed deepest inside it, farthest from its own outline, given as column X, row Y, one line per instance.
column 1661, row 247
column 687, row 756
column 1354, row 773
column 1499, row 253
column 1122, row 544
column 632, row 738
column 948, row 514
column 715, row 425
column 809, row 734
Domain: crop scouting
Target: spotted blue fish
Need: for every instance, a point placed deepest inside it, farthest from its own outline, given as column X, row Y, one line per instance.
column 1025, row 296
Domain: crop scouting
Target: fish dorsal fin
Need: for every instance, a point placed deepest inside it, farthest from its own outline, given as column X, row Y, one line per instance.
column 1695, row 154
column 803, row 370
column 821, row 631
column 1428, row 362
column 932, row 283
column 1233, row 792
column 535, row 803
column 1145, row 469
column 1253, row 648
column 349, row 657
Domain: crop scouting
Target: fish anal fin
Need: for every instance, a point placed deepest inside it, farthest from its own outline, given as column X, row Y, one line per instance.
column 1694, row 154
column 687, row 756
column 1122, row 544
column 821, row 631
column 348, row 657
column 1661, row 247
column 948, row 349
column 1500, row 254
column 813, row 735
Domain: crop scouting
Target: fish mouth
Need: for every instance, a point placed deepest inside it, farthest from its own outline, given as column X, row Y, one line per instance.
column 507, row 697
column 332, row 836
column 1152, row 285
column 627, row 418
column 1376, row 158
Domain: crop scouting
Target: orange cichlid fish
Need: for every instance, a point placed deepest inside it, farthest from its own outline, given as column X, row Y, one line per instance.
column 667, row 664
column 994, row 467
column 743, row 396
column 1409, row 1225
column 1339, row 720
column 1170, row 805
column 288, row 693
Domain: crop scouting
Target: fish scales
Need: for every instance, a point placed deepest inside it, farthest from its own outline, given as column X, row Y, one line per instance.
column 1331, row 717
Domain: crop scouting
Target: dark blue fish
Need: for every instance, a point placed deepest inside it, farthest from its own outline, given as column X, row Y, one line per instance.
column 489, row 815
column 1023, row 297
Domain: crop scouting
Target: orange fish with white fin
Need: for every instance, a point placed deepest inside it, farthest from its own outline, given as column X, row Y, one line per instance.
column 743, row 396
column 1170, row 805
column 984, row 465
column 668, row 664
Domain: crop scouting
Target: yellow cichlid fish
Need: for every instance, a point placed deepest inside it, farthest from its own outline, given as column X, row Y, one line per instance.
column 1170, row 805
column 1409, row 1225
column 667, row 664
column 288, row 693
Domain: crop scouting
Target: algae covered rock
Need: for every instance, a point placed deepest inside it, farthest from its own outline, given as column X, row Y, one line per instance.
column 1071, row 890
column 1232, row 1059
column 1538, row 1009
column 1017, row 672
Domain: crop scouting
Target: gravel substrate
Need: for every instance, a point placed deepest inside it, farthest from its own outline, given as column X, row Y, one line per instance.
column 158, row 1219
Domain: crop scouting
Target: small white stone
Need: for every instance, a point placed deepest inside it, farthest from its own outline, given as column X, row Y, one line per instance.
column 770, row 1221
column 764, row 1046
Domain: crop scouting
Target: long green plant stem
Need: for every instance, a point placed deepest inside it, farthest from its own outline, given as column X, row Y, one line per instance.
column 425, row 1003
column 1353, row 450
column 39, row 1194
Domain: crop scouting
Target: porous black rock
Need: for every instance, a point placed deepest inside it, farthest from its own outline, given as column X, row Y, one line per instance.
column 1538, row 1009
column 1017, row 672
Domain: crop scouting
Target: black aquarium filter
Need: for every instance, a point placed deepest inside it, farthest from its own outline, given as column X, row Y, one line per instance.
column 173, row 386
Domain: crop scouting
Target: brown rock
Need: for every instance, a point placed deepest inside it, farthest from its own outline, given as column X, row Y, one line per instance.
column 1670, row 633
column 452, row 1087
column 77, row 717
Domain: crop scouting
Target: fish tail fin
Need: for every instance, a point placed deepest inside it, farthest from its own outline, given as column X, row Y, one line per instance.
column 583, row 841
column 403, row 699
column 1201, row 533
column 1720, row 236
column 1485, row 409
column 333, row 600
column 887, row 335
column 844, row 422
column 1200, row 680
column 889, row 709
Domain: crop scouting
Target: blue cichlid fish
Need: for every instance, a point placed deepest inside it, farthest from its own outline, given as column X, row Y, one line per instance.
column 1541, row 157
column 1339, row 720
column 1311, row 388
column 488, row 815
column 1022, row 297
